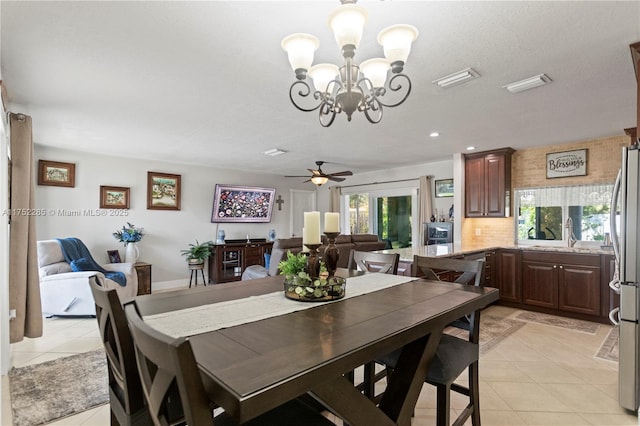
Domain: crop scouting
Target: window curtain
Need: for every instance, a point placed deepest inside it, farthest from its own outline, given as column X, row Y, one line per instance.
column 24, row 284
column 334, row 199
column 426, row 205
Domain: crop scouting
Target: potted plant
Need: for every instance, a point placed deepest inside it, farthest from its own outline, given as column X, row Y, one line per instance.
column 197, row 253
column 299, row 285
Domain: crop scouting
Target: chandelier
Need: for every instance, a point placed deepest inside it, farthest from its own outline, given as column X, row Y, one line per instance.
column 350, row 88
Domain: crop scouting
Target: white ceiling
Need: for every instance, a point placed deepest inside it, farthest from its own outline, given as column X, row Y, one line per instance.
column 207, row 82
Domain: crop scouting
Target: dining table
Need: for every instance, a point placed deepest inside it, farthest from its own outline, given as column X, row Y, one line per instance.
column 257, row 349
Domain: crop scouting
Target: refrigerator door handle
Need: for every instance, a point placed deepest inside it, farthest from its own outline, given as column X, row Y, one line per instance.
column 614, row 316
column 615, row 241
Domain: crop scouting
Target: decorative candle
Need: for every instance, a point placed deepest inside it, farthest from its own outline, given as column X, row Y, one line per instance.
column 312, row 228
column 331, row 222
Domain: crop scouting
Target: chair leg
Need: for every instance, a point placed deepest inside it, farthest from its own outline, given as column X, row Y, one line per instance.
column 369, row 379
column 474, row 393
column 443, row 405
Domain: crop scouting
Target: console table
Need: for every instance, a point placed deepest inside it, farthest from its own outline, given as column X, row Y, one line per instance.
column 143, row 269
column 229, row 260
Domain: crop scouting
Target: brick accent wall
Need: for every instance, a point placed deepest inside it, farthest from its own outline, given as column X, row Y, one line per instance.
column 528, row 170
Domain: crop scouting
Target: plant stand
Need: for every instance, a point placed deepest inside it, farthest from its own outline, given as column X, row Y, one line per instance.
column 194, row 268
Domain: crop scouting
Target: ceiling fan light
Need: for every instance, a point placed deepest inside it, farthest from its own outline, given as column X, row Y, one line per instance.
column 300, row 48
column 396, row 41
column 322, row 75
column 319, row 180
column 347, row 23
column 375, row 70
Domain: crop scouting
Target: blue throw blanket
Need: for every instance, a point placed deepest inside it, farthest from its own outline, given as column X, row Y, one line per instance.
column 80, row 259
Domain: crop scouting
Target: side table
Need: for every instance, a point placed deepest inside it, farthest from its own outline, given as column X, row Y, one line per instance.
column 143, row 269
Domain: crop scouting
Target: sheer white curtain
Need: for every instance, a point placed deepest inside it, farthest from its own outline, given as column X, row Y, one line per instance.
column 426, row 203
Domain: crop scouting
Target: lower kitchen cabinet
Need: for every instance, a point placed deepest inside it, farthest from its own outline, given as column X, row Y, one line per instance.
column 507, row 275
column 562, row 281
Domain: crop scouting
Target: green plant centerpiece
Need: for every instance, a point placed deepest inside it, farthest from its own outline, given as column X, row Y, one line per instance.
column 298, row 285
column 197, row 253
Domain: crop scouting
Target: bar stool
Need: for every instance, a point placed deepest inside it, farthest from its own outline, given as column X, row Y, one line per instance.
column 194, row 268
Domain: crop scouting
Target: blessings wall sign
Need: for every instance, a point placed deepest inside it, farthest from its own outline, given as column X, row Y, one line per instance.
column 568, row 163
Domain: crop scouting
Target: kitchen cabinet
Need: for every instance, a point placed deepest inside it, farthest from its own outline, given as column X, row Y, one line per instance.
column 488, row 183
column 562, row 281
column 507, row 275
column 229, row 260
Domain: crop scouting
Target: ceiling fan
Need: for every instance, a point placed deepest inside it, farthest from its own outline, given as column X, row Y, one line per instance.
column 320, row 178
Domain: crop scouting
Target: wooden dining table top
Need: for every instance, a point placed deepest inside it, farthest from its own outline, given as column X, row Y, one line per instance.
column 251, row 368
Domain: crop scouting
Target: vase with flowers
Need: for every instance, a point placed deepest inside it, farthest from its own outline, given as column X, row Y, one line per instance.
column 130, row 236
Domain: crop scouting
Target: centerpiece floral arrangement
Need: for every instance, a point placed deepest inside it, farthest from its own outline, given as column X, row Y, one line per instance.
column 299, row 285
column 128, row 234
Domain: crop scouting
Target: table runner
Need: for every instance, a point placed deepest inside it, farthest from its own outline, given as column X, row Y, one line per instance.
column 201, row 319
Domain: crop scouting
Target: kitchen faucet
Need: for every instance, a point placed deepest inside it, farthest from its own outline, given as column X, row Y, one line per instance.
column 571, row 238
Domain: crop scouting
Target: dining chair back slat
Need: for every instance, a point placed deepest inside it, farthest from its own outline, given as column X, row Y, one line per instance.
column 384, row 263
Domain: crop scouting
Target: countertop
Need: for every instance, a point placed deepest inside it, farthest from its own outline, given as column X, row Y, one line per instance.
column 452, row 249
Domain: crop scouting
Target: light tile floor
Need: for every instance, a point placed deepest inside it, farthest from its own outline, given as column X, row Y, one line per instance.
column 540, row 375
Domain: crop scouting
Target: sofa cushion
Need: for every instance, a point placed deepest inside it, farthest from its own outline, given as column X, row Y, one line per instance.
column 358, row 238
column 279, row 250
column 49, row 252
column 54, row 268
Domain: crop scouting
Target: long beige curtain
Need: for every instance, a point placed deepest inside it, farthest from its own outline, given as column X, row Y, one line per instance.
column 426, row 205
column 24, row 285
column 334, row 199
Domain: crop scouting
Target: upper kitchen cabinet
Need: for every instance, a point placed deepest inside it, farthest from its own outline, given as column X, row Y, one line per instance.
column 488, row 183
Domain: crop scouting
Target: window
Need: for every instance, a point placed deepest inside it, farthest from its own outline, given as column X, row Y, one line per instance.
column 543, row 212
column 359, row 213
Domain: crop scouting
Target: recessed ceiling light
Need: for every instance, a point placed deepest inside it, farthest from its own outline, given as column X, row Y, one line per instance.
column 471, row 148
column 528, row 83
column 434, row 134
column 273, row 152
column 457, row 78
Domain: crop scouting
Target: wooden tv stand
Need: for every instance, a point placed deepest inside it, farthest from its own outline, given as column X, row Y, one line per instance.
column 229, row 260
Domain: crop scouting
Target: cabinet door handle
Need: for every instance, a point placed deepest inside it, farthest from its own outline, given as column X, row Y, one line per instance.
column 561, row 267
column 555, row 266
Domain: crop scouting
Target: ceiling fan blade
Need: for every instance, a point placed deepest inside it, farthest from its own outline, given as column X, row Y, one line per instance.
column 306, row 176
column 345, row 173
column 315, row 172
column 336, row 179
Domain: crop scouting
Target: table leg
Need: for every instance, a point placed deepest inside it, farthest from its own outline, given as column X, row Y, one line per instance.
column 404, row 385
column 400, row 397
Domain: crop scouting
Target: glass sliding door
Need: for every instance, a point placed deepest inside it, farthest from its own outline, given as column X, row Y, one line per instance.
column 393, row 216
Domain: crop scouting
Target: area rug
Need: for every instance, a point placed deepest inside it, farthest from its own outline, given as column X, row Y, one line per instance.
column 570, row 323
column 493, row 330
column 609, row 348
column 41, row 393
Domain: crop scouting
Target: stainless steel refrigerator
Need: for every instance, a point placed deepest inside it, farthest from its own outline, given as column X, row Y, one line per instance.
column 626, row 244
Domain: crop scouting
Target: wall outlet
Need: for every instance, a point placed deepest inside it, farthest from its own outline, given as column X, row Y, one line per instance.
column 12, row 314
column 478, row 232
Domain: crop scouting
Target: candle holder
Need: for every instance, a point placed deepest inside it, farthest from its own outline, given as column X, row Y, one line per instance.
column 313, row 260
column 331, row 253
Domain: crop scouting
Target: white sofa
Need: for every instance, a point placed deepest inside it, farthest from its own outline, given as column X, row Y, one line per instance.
column 67, row 293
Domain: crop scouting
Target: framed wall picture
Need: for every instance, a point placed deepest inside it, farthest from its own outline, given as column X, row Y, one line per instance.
column 242, row 204
column 567, row 163
column 444, row 188
column 55, row 173
column 163, row 191
column 114, row 256
column 114, row 197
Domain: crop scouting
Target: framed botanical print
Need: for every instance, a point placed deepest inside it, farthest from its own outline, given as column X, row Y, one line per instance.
column 163, row 191
column 55, row 173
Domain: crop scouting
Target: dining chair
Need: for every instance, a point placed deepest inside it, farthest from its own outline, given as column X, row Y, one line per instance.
column 127, row 403
column 384, row 263
column 453, row 354
column 168, row 367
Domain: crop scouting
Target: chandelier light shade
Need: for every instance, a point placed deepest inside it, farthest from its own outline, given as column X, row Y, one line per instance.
column 332, row 89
